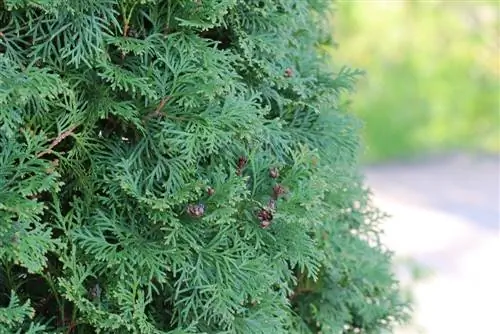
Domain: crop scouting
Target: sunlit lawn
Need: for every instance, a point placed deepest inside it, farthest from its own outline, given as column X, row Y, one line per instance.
column 432, row 81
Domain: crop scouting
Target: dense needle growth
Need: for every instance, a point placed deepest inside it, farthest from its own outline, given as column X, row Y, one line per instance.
column 182, row 166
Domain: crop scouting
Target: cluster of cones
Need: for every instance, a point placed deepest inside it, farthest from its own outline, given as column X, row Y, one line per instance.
column 265, row 215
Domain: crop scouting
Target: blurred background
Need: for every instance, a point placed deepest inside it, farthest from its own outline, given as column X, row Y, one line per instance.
column 430, row 102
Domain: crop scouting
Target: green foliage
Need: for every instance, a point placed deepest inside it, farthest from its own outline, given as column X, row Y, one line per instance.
column 141, row 143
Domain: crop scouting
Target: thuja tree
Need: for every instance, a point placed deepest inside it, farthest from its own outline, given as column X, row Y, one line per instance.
column 182, row 167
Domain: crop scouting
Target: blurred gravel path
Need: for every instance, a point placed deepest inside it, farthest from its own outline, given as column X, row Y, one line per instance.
column 445, row 214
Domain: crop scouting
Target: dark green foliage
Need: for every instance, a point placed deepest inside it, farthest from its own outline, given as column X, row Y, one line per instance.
column 137, row 189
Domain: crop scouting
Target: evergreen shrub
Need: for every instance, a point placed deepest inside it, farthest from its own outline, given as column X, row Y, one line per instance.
column 182, row 166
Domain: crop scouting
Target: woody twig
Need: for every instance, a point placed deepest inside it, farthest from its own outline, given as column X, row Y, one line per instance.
column 157, row 111
column 56, row 141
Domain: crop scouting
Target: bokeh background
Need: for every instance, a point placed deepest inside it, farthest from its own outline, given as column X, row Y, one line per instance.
column 432, row 73
column 430, row 102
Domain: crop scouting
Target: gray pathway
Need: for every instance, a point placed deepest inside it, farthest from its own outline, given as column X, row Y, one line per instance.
column 445, row 214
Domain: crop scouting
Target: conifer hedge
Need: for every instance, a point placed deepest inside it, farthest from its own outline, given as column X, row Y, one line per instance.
column 182, row 166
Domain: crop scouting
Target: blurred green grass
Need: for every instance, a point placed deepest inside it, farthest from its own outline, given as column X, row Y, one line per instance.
column 432, row 82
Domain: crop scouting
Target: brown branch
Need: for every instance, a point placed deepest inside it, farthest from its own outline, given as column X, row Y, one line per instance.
column 157, row 111
column 126, row 27
column 125, row 33
column 161, row 105
column 56, row 141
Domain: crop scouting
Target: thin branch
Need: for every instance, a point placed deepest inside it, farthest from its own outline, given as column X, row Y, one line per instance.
column 161, row 105
column 157, row 111
column 56, row 141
